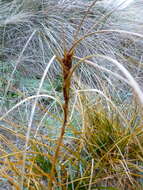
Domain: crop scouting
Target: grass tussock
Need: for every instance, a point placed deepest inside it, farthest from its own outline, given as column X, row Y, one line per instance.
column 104, row 154
column 71, row 99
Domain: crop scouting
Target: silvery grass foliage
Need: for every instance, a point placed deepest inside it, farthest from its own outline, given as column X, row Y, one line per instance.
column 32, row 31
column 121, row 4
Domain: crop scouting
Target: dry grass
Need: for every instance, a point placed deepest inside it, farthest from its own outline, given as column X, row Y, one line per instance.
column 87, row 133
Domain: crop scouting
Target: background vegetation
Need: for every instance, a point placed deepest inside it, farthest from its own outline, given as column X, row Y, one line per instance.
column 70, row 95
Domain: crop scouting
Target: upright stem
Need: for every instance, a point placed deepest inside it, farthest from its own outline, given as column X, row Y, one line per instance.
column 66, row 66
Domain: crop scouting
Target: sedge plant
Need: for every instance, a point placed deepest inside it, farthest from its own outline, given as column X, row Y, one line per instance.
column 106, row 152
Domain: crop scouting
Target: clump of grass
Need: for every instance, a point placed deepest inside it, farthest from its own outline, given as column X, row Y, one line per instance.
column 105, row 147
column 106, row 153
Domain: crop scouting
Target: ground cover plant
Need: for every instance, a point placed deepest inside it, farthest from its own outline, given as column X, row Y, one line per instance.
column 71, row 95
